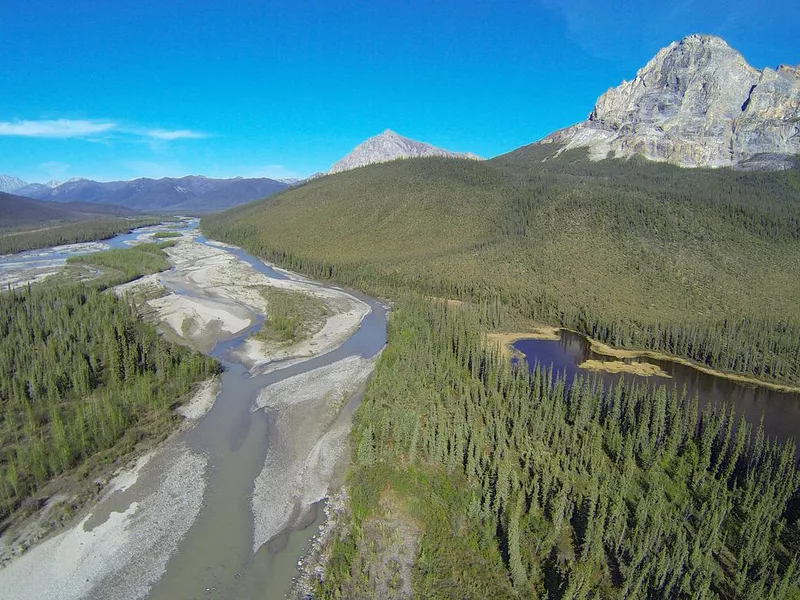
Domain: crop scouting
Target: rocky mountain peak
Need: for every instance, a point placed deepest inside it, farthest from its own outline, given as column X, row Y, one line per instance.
column 696, row 103
column 387, row 146
column 9, row 183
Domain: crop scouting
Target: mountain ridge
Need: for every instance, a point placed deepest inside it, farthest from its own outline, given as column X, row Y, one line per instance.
column 19, row 211
column 388, row 146
column 9, row 183
column 696, row 103
column 192, row 193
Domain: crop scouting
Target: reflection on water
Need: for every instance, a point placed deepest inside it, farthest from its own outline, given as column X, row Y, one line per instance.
column 781, row 410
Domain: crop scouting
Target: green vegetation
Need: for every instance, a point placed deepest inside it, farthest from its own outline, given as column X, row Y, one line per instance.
column 291, row 316
column 82, row 381
column 167, row 234
column 504, row 483
column 702, row 264
column 520, row 487
column 121, row 266
column 70, row 233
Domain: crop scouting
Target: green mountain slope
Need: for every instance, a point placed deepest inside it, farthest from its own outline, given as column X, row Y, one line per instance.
column 16, row 211
column 621, row 250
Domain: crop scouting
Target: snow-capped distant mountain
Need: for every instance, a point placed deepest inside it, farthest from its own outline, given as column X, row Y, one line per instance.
column 9, row 184
column 390, row 146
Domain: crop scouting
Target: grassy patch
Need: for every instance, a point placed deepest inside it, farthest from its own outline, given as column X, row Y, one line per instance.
column 291, row 316
column 617, row 366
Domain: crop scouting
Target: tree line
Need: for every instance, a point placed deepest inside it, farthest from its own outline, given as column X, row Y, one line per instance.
column 71, row 233
column 528, row 487
column 701, row 264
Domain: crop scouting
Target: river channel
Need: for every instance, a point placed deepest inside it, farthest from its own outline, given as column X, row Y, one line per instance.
column 780, row 410
column 215, row 559
column 218, row 554
column 215, row 554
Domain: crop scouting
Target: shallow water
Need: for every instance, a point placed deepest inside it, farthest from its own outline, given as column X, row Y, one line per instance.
column 56, row 256
column 780, row 410
column 215, row 558
column 230, row 445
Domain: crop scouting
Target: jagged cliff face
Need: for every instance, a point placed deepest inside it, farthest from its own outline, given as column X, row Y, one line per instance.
column 697, row 103
column 389, row 146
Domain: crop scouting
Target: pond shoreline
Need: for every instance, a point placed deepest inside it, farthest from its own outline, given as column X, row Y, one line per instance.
column 507, row 341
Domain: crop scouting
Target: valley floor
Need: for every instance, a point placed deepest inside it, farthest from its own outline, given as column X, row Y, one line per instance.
column 120, row 546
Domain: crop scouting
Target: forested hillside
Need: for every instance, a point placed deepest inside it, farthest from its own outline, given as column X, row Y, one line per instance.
column 16, row 211
column 474, row 479
column 637, row 254
column 510, row 485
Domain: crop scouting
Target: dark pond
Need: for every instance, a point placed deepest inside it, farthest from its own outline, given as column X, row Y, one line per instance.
column 781, row 410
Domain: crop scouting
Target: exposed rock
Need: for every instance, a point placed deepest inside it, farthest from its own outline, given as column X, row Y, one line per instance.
column 697, row 103
column 9, row 184
column 390, row 146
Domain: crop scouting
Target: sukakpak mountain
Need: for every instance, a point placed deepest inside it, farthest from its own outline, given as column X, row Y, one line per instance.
column 696, row 103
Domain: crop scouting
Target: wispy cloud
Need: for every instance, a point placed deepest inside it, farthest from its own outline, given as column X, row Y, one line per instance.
column 55, row 169
column 92, row 130
column 176, row 134
column 55, row 128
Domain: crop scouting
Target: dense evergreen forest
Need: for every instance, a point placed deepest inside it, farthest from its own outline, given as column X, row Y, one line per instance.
column 520, row 487
column 82, row 378
column 70, row 233
column 703, row 264
column 475, row 479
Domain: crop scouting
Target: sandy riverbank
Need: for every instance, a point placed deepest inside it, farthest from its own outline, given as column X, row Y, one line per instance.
column 41, row 525
column 120, row 547
column 225, row 298
column 299, row 468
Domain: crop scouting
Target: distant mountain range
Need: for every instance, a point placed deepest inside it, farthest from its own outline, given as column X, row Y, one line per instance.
column 191, row 194
column 697, row 103
column 16, row 211
column 390, row 146
column 8, row 183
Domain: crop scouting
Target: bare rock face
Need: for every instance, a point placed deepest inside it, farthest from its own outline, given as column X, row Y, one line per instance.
column 8, row 183
column 697, row 103
column 389, row 146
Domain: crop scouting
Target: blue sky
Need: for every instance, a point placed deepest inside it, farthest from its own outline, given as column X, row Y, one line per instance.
column 152, row 88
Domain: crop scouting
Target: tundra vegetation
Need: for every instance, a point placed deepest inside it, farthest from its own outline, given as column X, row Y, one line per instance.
column 516, row 484
column 701, row 264
column 166, row 234
column 113, row 267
